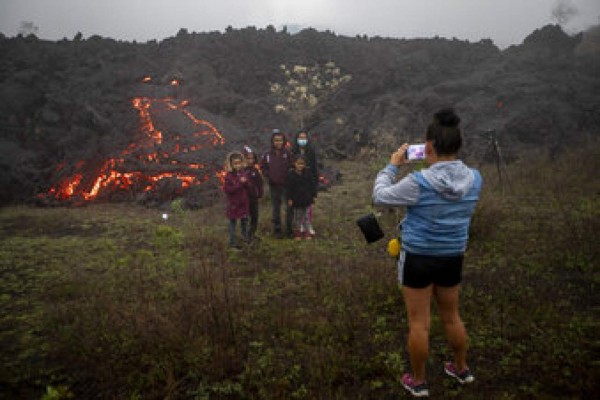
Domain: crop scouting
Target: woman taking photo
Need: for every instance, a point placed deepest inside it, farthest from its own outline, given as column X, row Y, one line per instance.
column 439, row 202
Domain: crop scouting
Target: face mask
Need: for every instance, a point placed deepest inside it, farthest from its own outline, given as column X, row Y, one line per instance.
column 302, row 142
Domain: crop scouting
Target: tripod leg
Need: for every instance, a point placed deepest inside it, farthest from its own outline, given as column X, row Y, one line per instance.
column 485, row 154
column 499, row 172
column 500, row 164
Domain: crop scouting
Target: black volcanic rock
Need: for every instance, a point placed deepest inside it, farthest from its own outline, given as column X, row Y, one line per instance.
column 550, row 36
column 70, row 102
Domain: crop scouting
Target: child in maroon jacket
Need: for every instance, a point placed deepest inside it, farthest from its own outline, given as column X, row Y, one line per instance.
column 235, row 187
column 275, row 165
column 255, row 189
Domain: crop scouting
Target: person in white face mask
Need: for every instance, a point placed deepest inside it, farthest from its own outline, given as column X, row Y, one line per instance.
column 302, row 146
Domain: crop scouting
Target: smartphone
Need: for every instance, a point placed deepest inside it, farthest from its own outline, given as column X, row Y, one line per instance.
column 415, row 152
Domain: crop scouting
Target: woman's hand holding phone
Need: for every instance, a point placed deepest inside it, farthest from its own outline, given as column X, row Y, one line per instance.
column 398, row 157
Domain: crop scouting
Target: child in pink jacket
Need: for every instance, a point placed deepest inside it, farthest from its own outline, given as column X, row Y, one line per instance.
column 235, row 187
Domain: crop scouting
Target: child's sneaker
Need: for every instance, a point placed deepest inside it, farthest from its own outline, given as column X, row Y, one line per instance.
column 463, row 377
column 417, row 390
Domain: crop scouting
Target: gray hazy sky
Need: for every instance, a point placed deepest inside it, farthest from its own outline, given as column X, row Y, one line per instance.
column 506, row 22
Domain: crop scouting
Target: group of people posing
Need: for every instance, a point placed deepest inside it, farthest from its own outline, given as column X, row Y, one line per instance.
column 292, row 175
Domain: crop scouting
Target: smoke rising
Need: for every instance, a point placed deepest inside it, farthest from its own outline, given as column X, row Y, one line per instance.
column 564, row 11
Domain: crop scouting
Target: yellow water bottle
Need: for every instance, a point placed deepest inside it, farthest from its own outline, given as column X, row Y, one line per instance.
column 393, row 247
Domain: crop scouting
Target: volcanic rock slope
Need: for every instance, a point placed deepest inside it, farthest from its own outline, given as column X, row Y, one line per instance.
column 72, row 103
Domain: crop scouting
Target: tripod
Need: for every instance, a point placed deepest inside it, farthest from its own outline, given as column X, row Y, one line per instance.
column 494, row 148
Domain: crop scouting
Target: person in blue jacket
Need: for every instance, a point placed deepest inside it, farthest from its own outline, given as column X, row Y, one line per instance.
column 439, row 202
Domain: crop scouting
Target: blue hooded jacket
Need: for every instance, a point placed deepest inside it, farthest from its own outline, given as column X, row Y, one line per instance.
column 439, row 201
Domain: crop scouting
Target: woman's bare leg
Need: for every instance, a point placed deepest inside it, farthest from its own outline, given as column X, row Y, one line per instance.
column 418, row 303
column 447, row 299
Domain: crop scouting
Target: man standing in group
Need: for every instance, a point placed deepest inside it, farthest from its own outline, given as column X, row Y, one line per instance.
column 274, row 165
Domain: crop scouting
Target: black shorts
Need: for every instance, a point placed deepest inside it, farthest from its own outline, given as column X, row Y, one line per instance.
column 417, row 271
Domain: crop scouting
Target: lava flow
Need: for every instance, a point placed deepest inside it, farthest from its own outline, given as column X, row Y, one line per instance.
column 146, row 162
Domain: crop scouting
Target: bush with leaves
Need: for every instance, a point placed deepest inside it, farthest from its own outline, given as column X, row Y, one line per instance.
column 303, row 88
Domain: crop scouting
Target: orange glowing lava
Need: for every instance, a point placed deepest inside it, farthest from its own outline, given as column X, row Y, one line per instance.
column 323, row 180
column 156, row 155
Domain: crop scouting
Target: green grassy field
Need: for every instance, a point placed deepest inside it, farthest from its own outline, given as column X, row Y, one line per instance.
column 109, row 301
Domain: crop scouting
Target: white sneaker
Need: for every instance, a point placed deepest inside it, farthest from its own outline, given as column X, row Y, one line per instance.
column 312, row 231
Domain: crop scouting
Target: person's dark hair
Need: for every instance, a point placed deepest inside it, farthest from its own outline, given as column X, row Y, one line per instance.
column 235, row 156
column 229, row 160
column 296, row 146
column 301, row 131
column 300, row 157
column 444, row 132
column 276, row 133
